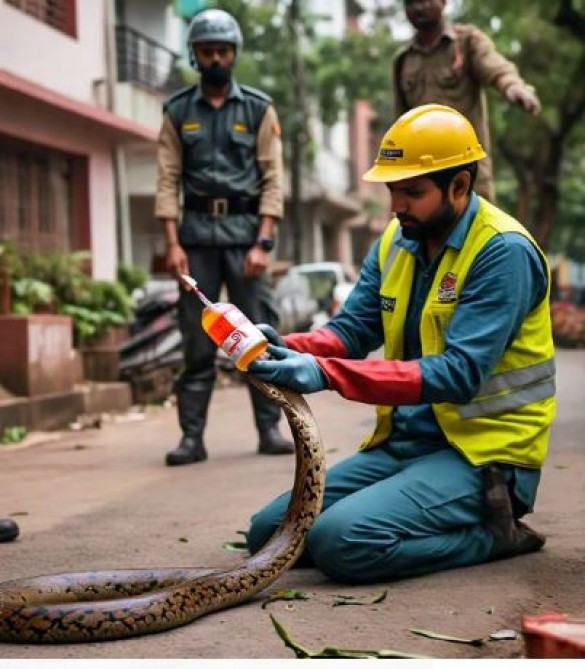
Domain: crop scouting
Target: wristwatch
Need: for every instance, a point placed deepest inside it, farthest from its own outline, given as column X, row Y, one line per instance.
column 265, row 243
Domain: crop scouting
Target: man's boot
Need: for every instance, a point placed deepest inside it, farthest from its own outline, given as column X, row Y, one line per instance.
column 8, row 530
column 511, row 537
column 272, row 442
column 192, row 409
column 267, row 414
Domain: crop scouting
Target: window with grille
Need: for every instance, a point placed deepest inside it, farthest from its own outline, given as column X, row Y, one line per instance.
column 59, row 14
column 36, row 196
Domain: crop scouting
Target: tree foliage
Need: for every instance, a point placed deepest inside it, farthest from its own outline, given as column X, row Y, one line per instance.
column 539, row 161
column 546, row 40
column 336, row 71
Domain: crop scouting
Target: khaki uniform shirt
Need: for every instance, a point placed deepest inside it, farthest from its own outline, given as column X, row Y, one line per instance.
column 268, row 155
column 454, row 72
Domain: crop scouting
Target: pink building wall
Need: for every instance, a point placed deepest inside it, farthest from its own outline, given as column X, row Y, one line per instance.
column 46, row 56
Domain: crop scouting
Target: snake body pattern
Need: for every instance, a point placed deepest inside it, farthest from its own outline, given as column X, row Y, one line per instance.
column 108, row 605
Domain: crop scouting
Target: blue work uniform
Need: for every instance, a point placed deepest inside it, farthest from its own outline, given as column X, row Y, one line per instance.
column 414, row 504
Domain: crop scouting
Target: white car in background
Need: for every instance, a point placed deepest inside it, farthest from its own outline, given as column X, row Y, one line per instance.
column 329, row 283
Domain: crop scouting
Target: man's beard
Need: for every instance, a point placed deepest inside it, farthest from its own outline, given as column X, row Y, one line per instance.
column 432, row 229
column 216, row 75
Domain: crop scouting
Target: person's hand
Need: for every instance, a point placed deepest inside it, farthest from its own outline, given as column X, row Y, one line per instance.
column 256, row 262
column 525, row 97
column 177, row 263
column 271, row 334
column 288, row 368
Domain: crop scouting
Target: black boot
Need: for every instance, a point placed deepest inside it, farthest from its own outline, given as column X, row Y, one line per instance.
column 8, row 530
column 192, row 409
column 189, row 450
column 267, row 414
column 272, row 442
column 511, row 537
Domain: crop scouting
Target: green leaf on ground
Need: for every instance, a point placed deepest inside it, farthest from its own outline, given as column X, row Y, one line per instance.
column 333, row 652
column 350, row 600
column 285, row 595
column 235, row 546
column 298, row 650
column 446, row 637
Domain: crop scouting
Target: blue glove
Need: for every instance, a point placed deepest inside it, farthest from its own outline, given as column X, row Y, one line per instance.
column 271, row 334
column 288, row 368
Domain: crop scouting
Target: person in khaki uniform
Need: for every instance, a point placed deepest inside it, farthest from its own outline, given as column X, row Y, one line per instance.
column 452, row 64
column 220, row 146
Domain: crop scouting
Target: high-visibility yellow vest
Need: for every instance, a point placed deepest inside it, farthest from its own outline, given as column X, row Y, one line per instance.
column 510, row 417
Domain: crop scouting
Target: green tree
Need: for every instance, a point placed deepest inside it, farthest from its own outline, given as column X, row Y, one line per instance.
column 337, row 72
column 547, row 42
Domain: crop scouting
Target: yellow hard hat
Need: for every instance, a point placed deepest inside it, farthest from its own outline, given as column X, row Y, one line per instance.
column 425, row 139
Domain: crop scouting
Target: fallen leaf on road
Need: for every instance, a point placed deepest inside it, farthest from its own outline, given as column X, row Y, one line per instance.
column 184, row 540
column 446, row 637
column 285, row 595
column 333, row 652
column 235, row 546
column 350, row 600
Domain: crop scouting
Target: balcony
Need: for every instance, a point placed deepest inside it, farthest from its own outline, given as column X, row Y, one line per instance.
column 147, row 74
column 144, row 62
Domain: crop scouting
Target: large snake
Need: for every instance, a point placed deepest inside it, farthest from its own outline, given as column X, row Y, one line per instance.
column 107, row 605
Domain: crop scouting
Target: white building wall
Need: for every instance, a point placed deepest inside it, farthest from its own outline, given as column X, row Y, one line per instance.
column 102, row 212
column 146, row 17
column 334, row 10
column 35, row 51
column 332, row 153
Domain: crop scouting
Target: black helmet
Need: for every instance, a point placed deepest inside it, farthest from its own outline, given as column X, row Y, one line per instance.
column 214, row 25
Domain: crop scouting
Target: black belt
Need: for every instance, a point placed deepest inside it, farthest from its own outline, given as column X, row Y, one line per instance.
column 222, row 206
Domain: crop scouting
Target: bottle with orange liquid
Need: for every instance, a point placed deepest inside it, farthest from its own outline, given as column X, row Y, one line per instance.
column 229, row 328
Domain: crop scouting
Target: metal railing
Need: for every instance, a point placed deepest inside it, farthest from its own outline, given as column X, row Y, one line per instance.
column 145, row 62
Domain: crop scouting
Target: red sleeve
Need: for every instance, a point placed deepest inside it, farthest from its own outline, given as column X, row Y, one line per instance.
column 385, row 382
column 323, row 342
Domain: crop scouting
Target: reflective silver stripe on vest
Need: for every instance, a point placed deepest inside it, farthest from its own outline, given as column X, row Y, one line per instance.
column 517, row 378
column 509, row 402
column 392, row 253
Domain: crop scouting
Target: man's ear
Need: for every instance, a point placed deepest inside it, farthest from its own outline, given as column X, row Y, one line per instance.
column 460, row 186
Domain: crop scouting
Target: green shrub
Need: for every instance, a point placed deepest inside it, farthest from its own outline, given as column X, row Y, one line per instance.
column 61, row 283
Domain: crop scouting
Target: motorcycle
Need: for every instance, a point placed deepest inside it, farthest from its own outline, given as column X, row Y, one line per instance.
column 152, row 358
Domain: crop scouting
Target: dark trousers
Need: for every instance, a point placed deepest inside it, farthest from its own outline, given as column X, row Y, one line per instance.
column 212, row 267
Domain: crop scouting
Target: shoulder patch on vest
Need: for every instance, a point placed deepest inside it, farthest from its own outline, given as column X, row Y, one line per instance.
column 254, row 92
column 179, row 94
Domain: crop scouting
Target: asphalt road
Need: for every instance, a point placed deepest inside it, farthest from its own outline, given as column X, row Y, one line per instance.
column 103, row 499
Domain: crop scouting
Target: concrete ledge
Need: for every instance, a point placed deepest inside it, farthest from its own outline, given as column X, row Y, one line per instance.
column 55, row 411
column 105, row 397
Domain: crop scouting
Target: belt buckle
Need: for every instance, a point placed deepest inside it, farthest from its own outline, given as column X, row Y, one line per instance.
column 219, row 207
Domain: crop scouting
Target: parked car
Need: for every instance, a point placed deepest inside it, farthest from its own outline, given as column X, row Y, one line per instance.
column 323, row 278
column 329, row 285
column 295, row 305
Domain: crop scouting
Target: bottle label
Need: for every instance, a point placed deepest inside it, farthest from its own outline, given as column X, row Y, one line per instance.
column 230, row 319
column 241, row 340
